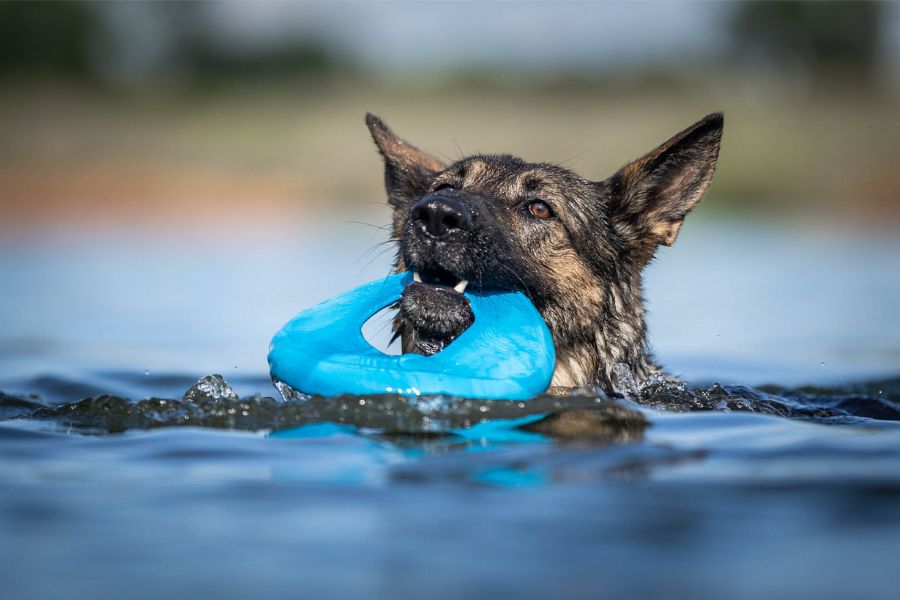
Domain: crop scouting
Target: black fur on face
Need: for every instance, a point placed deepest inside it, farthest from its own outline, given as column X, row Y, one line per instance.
column 575, row 247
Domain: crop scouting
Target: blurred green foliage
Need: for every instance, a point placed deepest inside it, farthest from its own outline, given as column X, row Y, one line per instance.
column 824, row 39
column 48, row 38
column 79, row 39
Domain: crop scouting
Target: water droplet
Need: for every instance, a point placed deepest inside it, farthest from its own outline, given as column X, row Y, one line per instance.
column 822, row 364
column 362, row 402
column 146, row 372
column 483, row 408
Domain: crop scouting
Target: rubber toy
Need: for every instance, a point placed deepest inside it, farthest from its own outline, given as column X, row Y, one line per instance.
column 507, row 352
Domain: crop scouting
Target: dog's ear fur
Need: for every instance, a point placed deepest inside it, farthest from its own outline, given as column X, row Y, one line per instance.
column 407, row 170
column 649, row 197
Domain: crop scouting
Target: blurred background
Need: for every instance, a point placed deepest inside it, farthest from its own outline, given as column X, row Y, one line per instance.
column 178, row 178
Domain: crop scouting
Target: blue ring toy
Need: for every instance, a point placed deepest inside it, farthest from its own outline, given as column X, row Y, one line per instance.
column 507, row 352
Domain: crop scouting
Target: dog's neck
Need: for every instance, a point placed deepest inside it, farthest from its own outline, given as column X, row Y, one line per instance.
column 602, row 343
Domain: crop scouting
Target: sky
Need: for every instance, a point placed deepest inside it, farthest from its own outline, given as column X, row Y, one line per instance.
column 567, row 36
column 441, row 34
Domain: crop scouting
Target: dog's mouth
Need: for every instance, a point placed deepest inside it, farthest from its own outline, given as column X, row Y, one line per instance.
column 433, row 310
column 439, row 277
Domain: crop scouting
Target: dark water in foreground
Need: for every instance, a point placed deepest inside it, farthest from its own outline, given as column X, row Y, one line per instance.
column 714, row 491
column 115, row 483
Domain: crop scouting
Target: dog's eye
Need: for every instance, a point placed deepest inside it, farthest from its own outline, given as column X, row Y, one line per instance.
column 539, row 209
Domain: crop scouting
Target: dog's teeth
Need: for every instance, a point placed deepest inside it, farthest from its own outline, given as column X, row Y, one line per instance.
column 416, row 277
column 461, row 286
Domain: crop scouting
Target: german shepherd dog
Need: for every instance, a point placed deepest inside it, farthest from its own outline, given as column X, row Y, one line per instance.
column 574, row 246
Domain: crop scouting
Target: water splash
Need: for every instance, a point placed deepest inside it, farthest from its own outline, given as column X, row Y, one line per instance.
column 564, row 413
column 211, row 402
column 212, row 388
column 832, row 405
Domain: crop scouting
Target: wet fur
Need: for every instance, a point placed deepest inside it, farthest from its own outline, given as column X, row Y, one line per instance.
column 581, row 268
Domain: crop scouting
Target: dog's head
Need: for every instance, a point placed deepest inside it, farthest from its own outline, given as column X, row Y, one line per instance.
column 576, row 247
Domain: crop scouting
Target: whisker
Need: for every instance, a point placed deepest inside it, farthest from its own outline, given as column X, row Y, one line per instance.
column 374, row 247
column 517, row 276
column 459, row 150
column 571, row 158
column 372, row 225
column 376, row 257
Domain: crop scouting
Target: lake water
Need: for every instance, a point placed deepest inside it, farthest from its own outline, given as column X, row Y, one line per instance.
column 694, row 492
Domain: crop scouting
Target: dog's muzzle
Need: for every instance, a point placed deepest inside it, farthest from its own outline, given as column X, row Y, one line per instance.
column 440, row 216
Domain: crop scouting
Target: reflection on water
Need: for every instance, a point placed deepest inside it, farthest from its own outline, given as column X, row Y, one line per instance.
column 127, row 474
column 566, row 494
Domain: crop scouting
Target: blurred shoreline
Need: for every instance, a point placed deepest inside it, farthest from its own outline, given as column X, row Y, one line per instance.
column 263, row 152
column 163, row 114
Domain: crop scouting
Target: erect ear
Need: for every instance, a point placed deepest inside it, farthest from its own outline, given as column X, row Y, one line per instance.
column 407, row 170
column 649, row 198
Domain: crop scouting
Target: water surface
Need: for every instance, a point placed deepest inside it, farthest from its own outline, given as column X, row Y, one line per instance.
column 121, row 477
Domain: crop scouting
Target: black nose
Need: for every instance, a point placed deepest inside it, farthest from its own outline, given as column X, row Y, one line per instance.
column 440, row 216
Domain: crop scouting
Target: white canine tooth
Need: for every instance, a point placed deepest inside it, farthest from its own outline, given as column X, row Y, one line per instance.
column 416, row 277
column 461, row 286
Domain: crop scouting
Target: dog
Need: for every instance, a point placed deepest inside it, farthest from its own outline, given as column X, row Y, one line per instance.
column 576, row 247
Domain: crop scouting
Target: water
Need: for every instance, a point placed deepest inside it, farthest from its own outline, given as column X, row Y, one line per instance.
column 122, row 477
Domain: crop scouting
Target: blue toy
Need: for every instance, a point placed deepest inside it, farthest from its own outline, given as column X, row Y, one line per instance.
column 507, row 352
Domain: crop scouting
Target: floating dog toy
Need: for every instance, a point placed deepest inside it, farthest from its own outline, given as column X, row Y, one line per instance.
column 507, row 352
